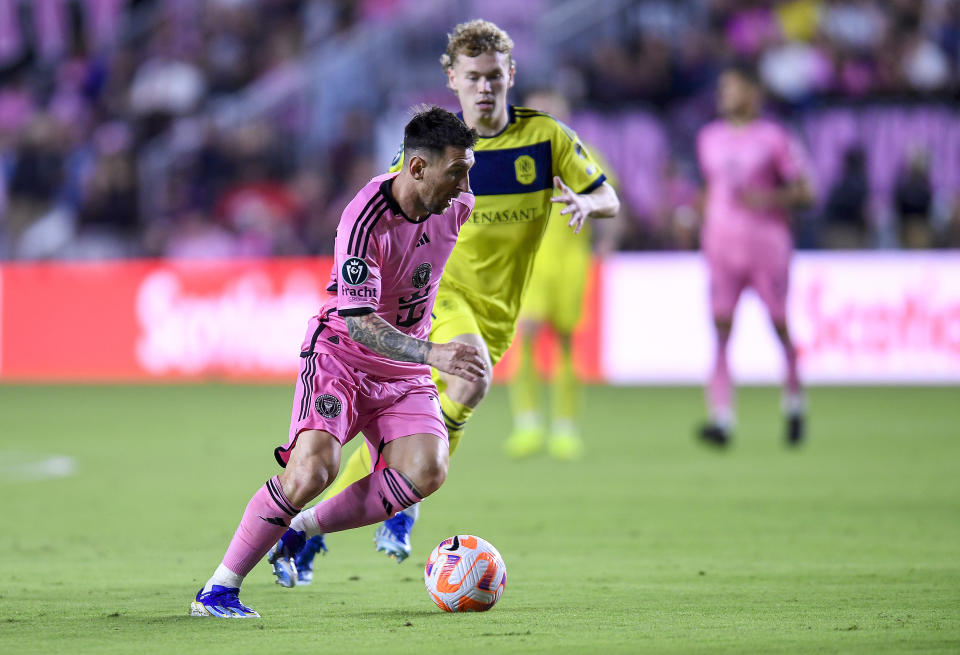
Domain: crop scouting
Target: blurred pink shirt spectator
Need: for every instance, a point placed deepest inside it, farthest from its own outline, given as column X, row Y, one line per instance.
column 856, row 77
column 380, row 9
column 11, row 41
column 750, row 30
column 50, row 23
column 48, row 26
column 103, row 20
column 16, row 110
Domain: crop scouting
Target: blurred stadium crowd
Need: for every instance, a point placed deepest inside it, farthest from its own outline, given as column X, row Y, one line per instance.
column 241, row 127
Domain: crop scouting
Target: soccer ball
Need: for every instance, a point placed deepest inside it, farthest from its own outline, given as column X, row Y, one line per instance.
column 465, row 574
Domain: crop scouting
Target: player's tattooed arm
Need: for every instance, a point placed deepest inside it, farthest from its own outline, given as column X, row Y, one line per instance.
column 384, row 339
column 461, row 359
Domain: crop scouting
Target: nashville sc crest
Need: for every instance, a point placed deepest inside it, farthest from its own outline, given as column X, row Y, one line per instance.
column 526, row 169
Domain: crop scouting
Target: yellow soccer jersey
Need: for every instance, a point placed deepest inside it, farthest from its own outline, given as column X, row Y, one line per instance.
column 559, row 235
column 512, row 180
column 555, row 290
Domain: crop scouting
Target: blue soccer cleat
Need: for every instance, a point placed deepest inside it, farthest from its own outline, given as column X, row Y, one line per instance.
column 222, row 602
column 393, row 536
column 304, row 559
column 282, row 557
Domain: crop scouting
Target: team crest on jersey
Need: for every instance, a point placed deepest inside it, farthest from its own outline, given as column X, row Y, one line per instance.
column 526, row 169
column 422, row 275
column 328, row 406
column 355, row 271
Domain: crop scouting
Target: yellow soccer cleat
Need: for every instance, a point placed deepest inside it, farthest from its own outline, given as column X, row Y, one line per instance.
column 565, row 445
column 524, row 442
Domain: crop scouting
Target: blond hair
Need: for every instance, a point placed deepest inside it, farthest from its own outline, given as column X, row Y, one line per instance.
column 473, row 38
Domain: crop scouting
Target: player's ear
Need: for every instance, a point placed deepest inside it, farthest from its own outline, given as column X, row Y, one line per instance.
column 416, row 166
column 450, row 79
column 510, row 73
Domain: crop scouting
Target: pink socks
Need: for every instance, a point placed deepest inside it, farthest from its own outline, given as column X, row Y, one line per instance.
column 720, row 387
column 370, row 500
column 267, row 516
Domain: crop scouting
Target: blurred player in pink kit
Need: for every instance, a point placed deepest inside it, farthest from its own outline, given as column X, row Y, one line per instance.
column 755, row 175
column 365, row 362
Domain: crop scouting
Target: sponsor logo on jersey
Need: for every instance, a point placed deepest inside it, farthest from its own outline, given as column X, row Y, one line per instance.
column 355, row 271
column 422, row 275
column 415, row 307
column 526, row 169
column 424, row 239
column 328, row 406
column 522, row 215
column 365, row 292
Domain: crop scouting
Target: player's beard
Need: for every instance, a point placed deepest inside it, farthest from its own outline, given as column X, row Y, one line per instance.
column 438, row 206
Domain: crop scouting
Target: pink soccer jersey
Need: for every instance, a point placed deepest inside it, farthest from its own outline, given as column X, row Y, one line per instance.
column 391, row 264
column 758, row 156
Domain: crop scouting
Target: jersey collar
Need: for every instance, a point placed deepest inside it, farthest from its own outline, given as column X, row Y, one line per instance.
column 386, row 188
column 511, row 118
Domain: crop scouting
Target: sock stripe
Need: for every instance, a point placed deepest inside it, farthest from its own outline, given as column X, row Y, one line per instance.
column 453, row 428
column 397, row 490
column 449, row 420
column 280, row 498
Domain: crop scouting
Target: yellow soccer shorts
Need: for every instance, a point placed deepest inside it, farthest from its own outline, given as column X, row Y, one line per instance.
column 557, row 283
column 455, row 313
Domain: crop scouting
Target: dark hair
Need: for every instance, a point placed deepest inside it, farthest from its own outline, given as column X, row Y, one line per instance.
column 434, row 129
column 746, row 71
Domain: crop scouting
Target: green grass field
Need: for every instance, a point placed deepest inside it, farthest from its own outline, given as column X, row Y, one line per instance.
column 650, row 544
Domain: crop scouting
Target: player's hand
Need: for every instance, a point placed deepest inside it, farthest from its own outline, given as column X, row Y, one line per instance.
column 460, row 359
column 577, row 208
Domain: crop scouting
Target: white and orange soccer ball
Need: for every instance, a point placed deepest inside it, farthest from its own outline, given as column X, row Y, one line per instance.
column 465, row 574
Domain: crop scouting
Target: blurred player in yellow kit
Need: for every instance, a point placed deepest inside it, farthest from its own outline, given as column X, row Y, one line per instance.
column 554, row 299
column 525, row 161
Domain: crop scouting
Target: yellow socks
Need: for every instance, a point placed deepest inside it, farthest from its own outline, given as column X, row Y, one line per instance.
column 565, row 442
column 525, row 388
column 455, row 416
column 566, row 393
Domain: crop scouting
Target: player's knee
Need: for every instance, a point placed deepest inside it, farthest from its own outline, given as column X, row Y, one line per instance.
column 469, row 393
column 305, row 482
column 428, row 474
column 313, row 465
column 431, row 478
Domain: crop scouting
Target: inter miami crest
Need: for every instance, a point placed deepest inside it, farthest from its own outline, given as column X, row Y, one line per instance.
column 328, row 406
column 422, row 275
column 354, row 271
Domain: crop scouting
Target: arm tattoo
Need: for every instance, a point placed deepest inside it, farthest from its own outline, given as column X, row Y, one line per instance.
column 384, row 339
